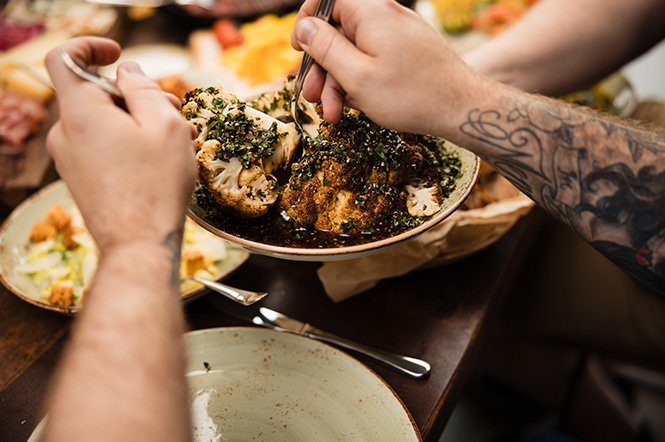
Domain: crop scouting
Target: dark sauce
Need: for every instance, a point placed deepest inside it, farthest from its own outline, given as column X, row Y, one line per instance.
column 276, row 229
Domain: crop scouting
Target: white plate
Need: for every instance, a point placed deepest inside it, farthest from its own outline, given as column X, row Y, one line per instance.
column 257, row 384
column 15, row 234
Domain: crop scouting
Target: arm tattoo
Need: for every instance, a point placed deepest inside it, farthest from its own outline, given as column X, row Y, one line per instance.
column 173, row 243
column 602, row 176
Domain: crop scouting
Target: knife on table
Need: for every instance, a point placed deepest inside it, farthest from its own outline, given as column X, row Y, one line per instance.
column 410, row 366
column 277, row 321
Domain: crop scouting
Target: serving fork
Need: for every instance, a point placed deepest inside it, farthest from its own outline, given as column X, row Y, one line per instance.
column 323, row 12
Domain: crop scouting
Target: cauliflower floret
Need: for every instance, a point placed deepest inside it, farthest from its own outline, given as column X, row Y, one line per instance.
column 286, row 144
column 198, row 109
column 248, row 192
column 277, row 104
column 238, row 149
column 422, row 200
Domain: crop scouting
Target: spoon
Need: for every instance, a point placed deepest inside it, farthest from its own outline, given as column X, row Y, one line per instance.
column 243, row 297
column 99, row 81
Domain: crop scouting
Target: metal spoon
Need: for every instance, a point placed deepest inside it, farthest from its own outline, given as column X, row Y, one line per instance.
column 243, row 297
column 323, row 11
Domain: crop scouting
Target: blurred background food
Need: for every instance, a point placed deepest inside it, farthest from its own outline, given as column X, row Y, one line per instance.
column 28, row 30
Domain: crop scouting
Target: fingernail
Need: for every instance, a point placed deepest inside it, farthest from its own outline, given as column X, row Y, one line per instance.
column 306, row 32
column 131, row 67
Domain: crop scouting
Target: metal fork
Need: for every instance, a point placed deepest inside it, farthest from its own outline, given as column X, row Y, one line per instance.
column 244, row 297
column 323, row 11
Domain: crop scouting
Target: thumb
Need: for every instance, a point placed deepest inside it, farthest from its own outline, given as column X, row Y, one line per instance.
column 330, row 49
column 142, row 95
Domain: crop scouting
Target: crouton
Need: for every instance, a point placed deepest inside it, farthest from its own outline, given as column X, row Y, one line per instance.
column 41, row 232
column 58, row 218
column 61, row 295
column 194, row 261
column 67, row 239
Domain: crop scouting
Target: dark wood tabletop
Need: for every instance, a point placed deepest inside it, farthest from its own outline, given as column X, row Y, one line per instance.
column 440, row 315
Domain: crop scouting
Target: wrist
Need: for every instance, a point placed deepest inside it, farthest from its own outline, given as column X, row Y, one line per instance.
column 144, row 261
column 475, row 92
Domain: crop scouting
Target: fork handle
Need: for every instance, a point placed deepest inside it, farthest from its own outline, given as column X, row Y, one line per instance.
column 323, row 11
column 413, row 367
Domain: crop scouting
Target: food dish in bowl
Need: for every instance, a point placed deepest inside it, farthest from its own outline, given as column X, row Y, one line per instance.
column 37, row 261
column 245, row 383
column 340, row 191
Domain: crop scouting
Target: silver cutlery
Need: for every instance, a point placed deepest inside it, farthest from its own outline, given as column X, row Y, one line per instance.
column 413, row 367
column 244, row 297
column 323, row 11
column 104, row 83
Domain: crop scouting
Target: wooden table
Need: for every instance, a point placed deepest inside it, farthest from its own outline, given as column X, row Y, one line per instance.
column 440, row 315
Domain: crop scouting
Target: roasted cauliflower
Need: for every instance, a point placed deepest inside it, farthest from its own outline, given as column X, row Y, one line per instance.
column 238, row 150
column 353, row 178
column 357, row 178
column 278, row 105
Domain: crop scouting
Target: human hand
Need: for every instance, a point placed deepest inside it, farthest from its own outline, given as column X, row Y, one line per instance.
column 130, row 172
column 386, row 61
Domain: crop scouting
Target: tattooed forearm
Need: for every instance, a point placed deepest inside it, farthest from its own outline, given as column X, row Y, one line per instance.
column 173, row 243
column 605, row 177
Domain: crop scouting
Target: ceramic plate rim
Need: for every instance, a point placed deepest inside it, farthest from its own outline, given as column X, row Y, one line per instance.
column 36, row 433
column 30, row 201
column 304, row 341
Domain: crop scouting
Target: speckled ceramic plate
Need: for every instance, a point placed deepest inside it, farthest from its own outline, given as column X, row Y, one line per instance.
column 256, row 384
column 15, row 234
column 247, row 383
column 470, row 169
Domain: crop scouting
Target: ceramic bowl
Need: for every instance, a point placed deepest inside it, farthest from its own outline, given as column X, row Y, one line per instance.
column 470, row 171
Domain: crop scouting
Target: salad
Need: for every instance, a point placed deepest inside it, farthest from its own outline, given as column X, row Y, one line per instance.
column 61, row 257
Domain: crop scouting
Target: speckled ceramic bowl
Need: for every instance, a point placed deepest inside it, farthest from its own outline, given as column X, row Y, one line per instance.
column 251, row 383
column 470, row 170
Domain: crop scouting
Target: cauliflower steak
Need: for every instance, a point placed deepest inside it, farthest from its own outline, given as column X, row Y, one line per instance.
column 238, row 149
column 358, row 178
column 351, row 182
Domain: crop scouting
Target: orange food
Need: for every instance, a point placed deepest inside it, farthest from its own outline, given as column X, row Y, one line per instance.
column 227, row 34
column 61, row 295
column 498, row 17
column 175, row 85
column 58, row 218
column 194, row 261
column 42, row 232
